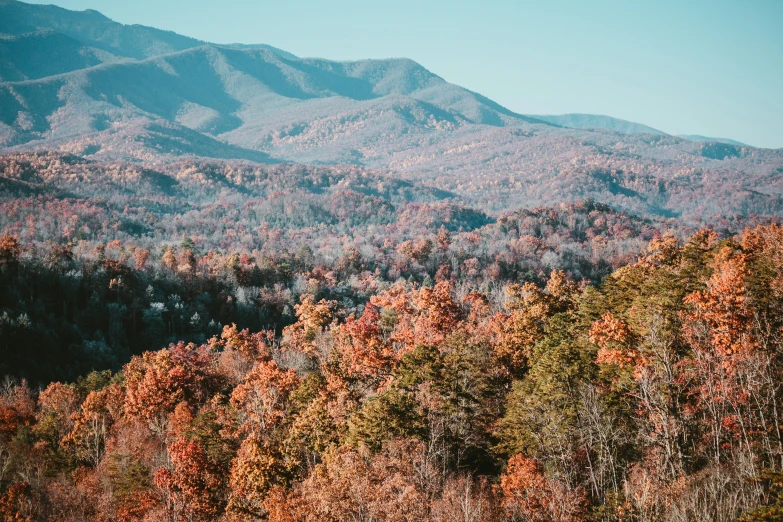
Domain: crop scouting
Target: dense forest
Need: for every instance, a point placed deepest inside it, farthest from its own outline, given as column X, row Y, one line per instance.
column 479, row 375
column 207, row 340
column 115, row 259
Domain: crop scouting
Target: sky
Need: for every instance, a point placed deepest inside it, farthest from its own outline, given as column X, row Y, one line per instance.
column 709, row 67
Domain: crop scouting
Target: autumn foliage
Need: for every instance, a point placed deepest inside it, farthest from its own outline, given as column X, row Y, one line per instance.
column 652, row 395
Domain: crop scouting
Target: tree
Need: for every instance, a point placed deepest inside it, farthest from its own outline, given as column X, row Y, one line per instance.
column 140, row 256
column 9, row 250
column 355, row 485
column 257, row 468
column 17, row 504
column 529, row 495
column 313, row 318
column 262, row 399
column 92, row 423
column 157, row 381
column 192, row 487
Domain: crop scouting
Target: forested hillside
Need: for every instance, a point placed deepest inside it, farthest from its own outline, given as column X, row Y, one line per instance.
column 116, row 258
column 227, row 340
column 652, row 395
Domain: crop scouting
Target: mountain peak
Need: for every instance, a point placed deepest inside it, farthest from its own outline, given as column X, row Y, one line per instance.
column 97, row 15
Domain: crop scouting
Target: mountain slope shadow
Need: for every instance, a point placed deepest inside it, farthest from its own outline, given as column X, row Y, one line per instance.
column 162, row 86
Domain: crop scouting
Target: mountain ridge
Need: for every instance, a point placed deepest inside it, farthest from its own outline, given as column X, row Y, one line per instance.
column 700, row 138
column 597, row 121
column 231, row 72
column 114, row 41
column 262, row 104
column 91, row 27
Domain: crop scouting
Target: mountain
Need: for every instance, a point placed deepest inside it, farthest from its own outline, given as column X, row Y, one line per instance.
column 92, row 29
column 139, row 94
column 697, row 137
column 46, row 53
column 249, row 95
column 596, row 121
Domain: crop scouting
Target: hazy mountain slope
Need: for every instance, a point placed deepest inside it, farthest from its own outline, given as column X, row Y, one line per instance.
column 158, row 140
column 217, row 90
column 41, row 40
column 45, row 53
column 697, row 137
column 596, row 121
column 92, row 28
column 246, row 47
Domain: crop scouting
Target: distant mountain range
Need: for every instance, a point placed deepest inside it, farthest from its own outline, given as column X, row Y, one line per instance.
column 697, row 137
column 596, row 121
column 80, row 83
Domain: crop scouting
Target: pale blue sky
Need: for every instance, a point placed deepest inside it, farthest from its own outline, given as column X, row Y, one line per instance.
column 710, row 67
